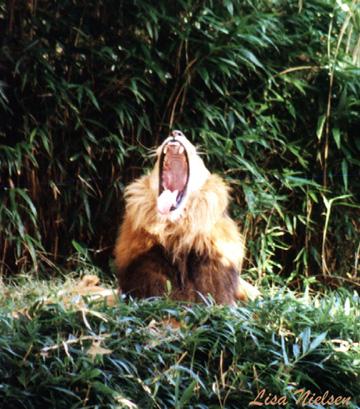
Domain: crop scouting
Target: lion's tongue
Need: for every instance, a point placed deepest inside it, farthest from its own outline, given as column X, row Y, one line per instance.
column 166, row 200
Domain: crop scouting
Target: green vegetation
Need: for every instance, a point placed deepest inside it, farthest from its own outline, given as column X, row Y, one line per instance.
column 269, row 90
column 161, row 354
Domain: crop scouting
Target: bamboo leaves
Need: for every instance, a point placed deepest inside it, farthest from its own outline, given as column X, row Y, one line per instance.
column 86, row 91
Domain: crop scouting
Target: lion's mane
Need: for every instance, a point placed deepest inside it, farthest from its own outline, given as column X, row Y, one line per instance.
column 201, row 253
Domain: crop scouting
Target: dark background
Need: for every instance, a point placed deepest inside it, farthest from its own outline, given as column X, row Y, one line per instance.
column 270, row 92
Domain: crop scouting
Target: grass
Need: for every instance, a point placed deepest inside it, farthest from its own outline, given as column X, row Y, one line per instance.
column 162, row 354
column 269, row 90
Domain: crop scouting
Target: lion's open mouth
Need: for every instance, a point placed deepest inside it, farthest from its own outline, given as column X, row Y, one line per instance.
column 173, row 177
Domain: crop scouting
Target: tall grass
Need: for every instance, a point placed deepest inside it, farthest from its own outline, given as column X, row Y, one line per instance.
column 270, row 90
column 161, row 354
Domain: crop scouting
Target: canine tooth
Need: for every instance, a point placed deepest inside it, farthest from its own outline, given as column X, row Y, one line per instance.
column 181, row 150
column 166, row 148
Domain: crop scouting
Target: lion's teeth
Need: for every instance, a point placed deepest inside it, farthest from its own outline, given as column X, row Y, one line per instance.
column 181, row 150
column 166, row 148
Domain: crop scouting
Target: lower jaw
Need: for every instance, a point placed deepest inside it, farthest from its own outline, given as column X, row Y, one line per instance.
column 173, row 216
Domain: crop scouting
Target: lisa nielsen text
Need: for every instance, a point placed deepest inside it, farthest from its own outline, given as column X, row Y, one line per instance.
column 303, row 397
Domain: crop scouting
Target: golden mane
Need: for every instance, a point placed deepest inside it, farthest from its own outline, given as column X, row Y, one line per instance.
column 204, row 227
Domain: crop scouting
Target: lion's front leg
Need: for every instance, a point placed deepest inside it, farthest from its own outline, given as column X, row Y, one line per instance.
column 153, row 275
column 212, row 276
column 146, row 276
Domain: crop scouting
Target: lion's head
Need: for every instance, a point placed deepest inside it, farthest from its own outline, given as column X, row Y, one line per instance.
column 179, row 172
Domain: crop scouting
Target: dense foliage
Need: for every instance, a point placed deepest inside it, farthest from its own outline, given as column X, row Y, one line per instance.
column 269, row 90
column 159, row 354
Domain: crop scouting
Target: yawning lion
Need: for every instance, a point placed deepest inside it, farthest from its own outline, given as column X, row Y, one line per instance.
column 176, row 235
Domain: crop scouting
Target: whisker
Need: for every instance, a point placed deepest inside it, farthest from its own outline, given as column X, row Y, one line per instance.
column 200, row 151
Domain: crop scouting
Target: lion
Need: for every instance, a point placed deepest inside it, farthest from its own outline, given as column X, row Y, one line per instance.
column 177, row 237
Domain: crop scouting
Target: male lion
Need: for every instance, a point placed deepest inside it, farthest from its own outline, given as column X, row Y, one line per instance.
column 176, row 235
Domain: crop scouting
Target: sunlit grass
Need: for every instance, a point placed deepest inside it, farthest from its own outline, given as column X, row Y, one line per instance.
column 162, row 354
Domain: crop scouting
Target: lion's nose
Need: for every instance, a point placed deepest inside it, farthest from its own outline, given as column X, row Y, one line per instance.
column 176, row 134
